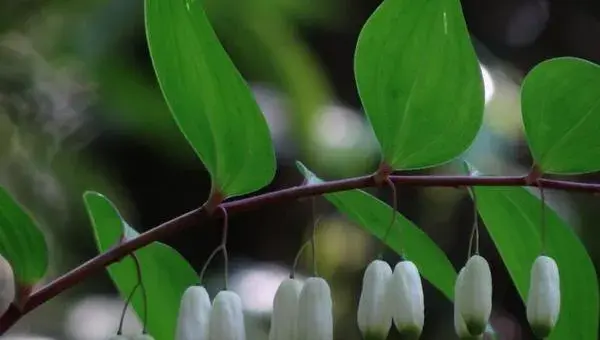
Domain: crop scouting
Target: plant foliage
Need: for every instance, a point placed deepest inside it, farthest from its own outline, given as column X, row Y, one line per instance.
column 419, row 81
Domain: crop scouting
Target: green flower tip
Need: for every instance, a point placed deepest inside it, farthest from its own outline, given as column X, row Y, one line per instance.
column 410, row 333
column 541, row 330
column 476, row 328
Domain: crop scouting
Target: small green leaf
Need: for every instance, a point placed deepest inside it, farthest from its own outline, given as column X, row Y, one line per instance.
column 561, row 114
column 165, row 273
column 512, row 216
column 209, row 99
column 374, row 216
column 22, row 243
column 419, row 81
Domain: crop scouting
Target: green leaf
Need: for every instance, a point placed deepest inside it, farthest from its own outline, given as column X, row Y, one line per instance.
column 22, row 243
column 561, row 113
column 512, row 216
column 165, row 273
column 419, row 81
column 374, row 216
column 209, row 99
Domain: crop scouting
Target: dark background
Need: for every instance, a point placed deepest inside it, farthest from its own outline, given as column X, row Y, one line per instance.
column 80, row 109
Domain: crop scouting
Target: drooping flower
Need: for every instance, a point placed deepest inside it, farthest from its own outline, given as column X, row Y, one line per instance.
column 227, row 317
column 374, row 319
column 7, row 285
column 543, row 301
column 118, row 337
column 194, row 314
column 315, row 313
column 406, row 301
column 284, row 319
column 459, row 324
column 474, row 295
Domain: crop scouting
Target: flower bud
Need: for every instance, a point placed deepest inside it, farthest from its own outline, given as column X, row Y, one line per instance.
column 543, row 301
column 315, row 313
column 227, row 317
column 374, row 321
column 405, row 300
column 474, row 295
column 459, row 324
column 7, row 285
column 284, row 319
column 194, row 314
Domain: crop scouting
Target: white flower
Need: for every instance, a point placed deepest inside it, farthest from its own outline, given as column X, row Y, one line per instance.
column 227, row 317
column 459, row 324
column 194, row 314
column 315, row 313
column 284, row 319
column 7, row 285
column 474, row 295
column 374, row 321
column 118, row 337
column 405, row 299
column 543, row 301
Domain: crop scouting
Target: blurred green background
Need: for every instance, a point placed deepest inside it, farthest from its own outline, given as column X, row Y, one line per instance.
column 80, row 109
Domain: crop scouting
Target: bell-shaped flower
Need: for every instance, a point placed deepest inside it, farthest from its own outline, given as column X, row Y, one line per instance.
column 118, row 337
column 374, row 320
column 459, row 324
column 474, row 295
column 543, row 301
column 227, row 317
column 194, row 314
column 315, row 313
column 284, row 319
column 405, row 300
column 7, row 285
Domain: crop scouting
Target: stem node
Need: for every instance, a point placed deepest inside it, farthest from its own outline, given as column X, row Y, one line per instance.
column 382, row 175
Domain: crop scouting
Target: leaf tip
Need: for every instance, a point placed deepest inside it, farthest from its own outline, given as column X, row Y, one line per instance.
column 90, row 194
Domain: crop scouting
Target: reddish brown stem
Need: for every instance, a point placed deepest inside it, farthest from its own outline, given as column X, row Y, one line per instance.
column 194, row 217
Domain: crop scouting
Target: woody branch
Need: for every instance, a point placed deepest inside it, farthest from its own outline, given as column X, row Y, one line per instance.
column 195, row 217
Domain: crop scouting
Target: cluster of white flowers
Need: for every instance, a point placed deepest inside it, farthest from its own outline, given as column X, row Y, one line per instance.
column 199, row 320
column 473, row 297
column 391, row 296
column 302, row 311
